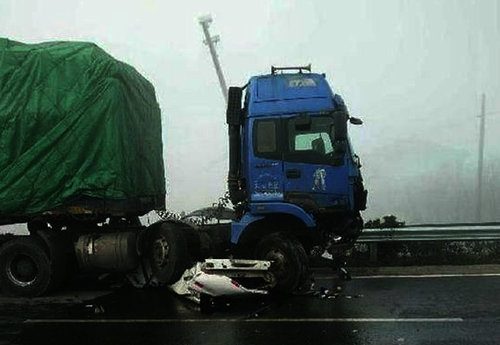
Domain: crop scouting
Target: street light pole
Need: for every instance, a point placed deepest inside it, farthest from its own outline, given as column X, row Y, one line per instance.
column 205, row 22
column 480, row 159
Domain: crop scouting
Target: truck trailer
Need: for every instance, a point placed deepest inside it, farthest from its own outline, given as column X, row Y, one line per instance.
column 82, row 160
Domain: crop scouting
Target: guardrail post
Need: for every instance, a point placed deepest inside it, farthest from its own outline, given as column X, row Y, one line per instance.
column 373, row 252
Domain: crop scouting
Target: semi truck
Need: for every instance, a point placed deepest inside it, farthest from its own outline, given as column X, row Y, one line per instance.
column 82, row 160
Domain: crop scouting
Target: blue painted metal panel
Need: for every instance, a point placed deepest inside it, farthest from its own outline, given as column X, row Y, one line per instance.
column 290, row 106
column 264, row 177
column 258, row 212
column 237, row 228
column 277, row 98
column 282, row 207
column 328, row 185
column 290, row 86
column 353, row 173
column 282, row 96
column 289, row 93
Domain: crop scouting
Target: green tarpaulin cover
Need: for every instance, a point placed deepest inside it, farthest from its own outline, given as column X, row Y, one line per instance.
column 76, row 124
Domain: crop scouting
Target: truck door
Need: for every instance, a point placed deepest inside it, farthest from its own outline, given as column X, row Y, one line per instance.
column 265, row 166
column 315, row 173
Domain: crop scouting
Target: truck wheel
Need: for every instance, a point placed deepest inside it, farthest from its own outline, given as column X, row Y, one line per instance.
column 25, row 268
column 290, row 263
column 168, row 254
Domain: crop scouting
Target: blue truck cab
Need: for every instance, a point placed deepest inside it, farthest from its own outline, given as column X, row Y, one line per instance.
column 293, row 175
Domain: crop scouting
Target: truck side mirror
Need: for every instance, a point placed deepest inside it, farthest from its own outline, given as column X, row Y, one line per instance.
column 233, row 112
column 355, row 121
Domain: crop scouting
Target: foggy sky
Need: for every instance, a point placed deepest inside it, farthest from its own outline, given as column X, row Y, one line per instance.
column 413, row 70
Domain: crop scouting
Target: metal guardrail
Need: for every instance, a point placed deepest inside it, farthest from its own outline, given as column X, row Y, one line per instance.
column 448, row 232
column 461, row 232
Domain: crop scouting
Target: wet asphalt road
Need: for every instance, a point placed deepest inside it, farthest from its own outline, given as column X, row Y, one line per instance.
column 421, row 309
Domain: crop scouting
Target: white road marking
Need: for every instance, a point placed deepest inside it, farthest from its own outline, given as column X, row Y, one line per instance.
column 451, row 275
column 352, row 320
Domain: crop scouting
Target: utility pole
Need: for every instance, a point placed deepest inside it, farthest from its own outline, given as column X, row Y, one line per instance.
column 205, row 22
column 480, row 159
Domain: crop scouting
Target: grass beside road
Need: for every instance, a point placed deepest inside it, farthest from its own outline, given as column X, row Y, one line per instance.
column 454, row 270
column 428, row 253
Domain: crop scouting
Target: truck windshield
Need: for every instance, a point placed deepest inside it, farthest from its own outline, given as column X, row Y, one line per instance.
column 309, row 143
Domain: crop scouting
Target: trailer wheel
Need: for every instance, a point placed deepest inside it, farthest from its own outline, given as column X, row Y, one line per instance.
column 290, row 263
column 168, row 254
column 25, row 267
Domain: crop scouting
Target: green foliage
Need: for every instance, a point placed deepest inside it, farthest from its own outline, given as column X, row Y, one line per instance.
column 425, row 252
column 389, row 221
column 429, row 253
column 218, row 211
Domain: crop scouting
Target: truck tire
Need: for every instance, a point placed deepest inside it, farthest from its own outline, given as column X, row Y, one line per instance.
column 25, row 268
column 290, row 263
column 168, row 254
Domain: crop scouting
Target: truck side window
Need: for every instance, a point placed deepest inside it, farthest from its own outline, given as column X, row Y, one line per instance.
column 319, row 142
column 265, row 139
column 311, row 144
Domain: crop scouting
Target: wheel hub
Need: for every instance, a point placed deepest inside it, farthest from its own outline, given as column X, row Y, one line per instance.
column 160, row 251
column 22, row 270
column 280, row 264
